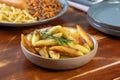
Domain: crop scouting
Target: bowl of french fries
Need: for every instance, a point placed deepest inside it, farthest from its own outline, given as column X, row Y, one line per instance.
column 59, row 48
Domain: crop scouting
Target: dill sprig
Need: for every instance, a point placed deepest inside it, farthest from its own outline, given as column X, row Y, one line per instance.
column 61, row 40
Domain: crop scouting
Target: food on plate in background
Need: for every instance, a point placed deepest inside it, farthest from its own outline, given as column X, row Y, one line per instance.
column 21, row 4
column 57, row 42
column 25, row 11
column 15, row 15
column 43, row 9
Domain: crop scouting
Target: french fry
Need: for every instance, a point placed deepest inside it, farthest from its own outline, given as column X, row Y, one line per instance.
column 85, row 36
column 58, row 41
column 79, row 47
column 37, row 49
column 26, row 43
column 35, row 37
column 54, row 55
column 66, row 51
column 54, row 29
column 87, row 46
column 75, row 36
column 58, row 35
column 66, row 33
column 29, row 37
column 43, row 52
column 46, row 42
column 79, row 40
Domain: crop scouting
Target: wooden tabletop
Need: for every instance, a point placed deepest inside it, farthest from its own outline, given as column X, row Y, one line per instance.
column 104, row 66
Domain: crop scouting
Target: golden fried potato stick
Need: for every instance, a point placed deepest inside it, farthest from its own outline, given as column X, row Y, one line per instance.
column 29, row 37
column 78, row 39
column 66, row 51
column 85, row 36
column 66, row 33
column 58, row 35
column 54, row 30
column 79, row 47
column 54, row 55
column 75, row 36
column 35, row 37
column 43, row 52
column 46, row 42
column 26, row 43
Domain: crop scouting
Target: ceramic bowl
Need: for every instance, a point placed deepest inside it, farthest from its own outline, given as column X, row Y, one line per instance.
column 63, row 63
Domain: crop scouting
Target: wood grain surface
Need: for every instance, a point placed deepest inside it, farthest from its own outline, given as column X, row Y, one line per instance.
column 14, row 66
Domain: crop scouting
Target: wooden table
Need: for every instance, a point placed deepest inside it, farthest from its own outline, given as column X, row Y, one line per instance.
column 14, row 66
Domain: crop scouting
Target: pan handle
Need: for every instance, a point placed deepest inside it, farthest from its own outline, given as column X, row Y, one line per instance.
column 83, row 4
column 87, row 2
column 78, row 6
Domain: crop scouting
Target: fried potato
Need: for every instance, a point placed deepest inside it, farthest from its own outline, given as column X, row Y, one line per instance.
column 55, row 29
column 85, row 36
column 78, row 38
column 27, row 44
column 46, row 42
column 58, row 35
column 87, row 46
column 58, row 42
column 35, row 37
column 43, row 52
column 37, row 49
column 66, row 51
column 79, row 47
column 29, row 37
column 54, row 55
column 66, row 33
column 75, row 36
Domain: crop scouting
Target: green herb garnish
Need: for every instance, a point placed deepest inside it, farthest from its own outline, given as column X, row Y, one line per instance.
column 61, row 40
